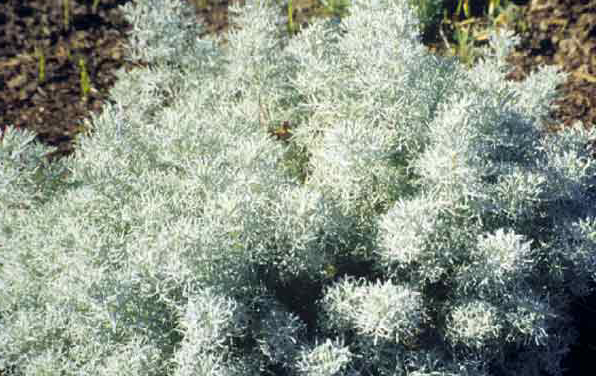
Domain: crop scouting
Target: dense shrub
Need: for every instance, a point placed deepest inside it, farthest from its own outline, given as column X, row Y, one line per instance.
column 420, row 221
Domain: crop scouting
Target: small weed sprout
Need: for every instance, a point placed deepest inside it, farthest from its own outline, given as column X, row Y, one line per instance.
column 85, row 81
column 66, row 13
column 291, row 27
column 41, row 64
column 465, row 45
column 465, row 6
column 337, row 8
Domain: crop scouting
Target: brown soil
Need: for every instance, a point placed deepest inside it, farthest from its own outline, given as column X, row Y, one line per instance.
column 561, row 32
column 55, row 106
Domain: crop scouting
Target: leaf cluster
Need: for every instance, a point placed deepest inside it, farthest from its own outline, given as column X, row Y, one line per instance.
column 185, row 240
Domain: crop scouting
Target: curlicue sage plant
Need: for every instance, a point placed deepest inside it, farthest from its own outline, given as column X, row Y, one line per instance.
column 420, row 220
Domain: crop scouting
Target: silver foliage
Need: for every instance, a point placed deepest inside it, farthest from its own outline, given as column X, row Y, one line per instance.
column 182, row 239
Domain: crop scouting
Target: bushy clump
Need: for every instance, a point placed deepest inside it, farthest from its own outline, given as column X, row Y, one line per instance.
column 183, row 239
